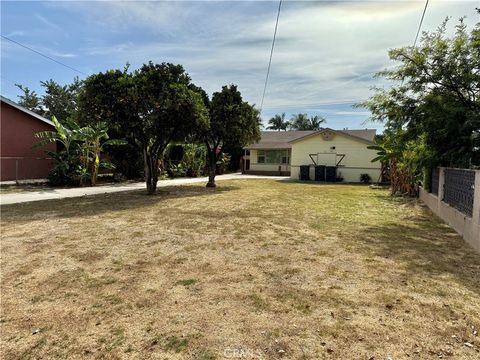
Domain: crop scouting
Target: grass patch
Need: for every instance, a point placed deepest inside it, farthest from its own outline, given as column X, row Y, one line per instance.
column 186, row 282
column 286, row 270
column 176, row 344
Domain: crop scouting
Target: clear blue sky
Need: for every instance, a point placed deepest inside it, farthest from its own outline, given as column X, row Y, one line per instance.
column 325, row 55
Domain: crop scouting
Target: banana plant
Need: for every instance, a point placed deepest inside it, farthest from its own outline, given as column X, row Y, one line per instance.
column 94, row 139
column 81, row 145
column 61, row 135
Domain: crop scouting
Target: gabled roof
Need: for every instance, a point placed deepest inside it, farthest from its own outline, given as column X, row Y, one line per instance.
column 29, row 112
column 278, row 139
column 284, row 139
column 366, row 135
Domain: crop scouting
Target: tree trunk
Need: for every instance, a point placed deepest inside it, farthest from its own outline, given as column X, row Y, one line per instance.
column 211, row 178
column 96, row 165
column 212, row 169
column 151, row 171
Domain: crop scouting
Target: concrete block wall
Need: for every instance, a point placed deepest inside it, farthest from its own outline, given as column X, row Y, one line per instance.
column 467, row 227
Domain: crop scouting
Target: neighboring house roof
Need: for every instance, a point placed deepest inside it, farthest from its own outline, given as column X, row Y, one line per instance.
column 284, row 139
column 29, row 112
column 278, row 139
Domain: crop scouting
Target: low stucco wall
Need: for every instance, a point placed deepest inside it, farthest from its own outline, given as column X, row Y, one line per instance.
column 467, row 227
column 269, row 167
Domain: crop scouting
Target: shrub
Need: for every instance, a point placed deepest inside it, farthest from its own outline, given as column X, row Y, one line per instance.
column 176, row 170
column 78, row 160
column 365, row 178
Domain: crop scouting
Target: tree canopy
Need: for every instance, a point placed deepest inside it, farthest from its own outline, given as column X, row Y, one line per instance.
column 233, row 123
column 59, row 101
column 304, row 122
column 153, row 106
column 278, row 123
column 434, row 102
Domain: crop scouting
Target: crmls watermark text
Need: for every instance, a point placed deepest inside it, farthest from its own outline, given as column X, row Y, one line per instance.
column 240, row 353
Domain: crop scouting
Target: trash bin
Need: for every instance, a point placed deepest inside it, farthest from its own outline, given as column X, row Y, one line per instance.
column 304, row 172
column 320, row 173
column 330, row 173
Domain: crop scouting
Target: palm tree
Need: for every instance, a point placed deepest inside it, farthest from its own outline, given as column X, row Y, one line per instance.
column 299, row 122
column 316, row 122
column 278, row 122
column 303, row 122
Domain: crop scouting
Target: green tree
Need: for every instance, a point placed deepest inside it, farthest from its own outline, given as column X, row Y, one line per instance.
column 315, row 122
column 106, row 97
column 60, row 101
column 152, row 106
column 303, row 122
column 278, row 123
column 233, row 123
column 299, row 122
column 79, row 152
column 30, row 100
column 194, row 157
column 434, row 99
column 94, row 139
column 167, row 110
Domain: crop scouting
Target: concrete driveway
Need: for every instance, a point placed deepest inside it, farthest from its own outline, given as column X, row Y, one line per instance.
column 52, row 193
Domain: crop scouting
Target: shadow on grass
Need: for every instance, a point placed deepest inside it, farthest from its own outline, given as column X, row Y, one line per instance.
column 320, row 183
column 103, row 203
column 425, row 246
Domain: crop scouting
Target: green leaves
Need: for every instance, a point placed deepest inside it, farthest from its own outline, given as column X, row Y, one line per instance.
column 82, row 147
column 303, row 122
column 432, row 111
column 278, row 122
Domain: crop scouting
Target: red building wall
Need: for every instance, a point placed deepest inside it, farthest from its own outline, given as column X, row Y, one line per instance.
column 18, row 161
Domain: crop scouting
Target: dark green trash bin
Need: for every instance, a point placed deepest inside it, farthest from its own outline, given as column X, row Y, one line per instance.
column 320, row 173
column 304, row 172
column 330, row 173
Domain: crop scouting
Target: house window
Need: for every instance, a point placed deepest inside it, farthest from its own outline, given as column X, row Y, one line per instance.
column 261, row 157
column 273, row 157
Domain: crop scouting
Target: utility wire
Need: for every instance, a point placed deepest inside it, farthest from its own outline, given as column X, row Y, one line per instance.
column 421, row 22
column 45, row 56
column 271, row 54
column 4, row 78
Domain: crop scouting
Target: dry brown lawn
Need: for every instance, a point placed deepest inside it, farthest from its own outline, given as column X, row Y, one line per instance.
column 253, row 269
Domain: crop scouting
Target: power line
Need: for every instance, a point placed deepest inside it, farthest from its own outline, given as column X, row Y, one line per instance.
column 420, row 25
column 45, row 56
column 316, row 104
column 271, row 54
column 4, row 78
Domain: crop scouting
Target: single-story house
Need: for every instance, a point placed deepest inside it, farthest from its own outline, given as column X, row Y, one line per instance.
column 18, row 160
column 323, row 155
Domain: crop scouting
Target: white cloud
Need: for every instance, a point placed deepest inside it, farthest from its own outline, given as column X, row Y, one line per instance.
column 15, row 33
column 326, row 52
column 63, row 55
column 47, row 22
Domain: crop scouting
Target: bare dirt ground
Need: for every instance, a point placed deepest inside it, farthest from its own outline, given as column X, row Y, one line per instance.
column 252, row 269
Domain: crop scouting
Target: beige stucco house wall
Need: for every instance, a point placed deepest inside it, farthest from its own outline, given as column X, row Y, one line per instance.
column 357, row 158
column 277, row 167
column 327, row 147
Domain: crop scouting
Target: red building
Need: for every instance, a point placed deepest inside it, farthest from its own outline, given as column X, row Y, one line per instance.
column 18, row 160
